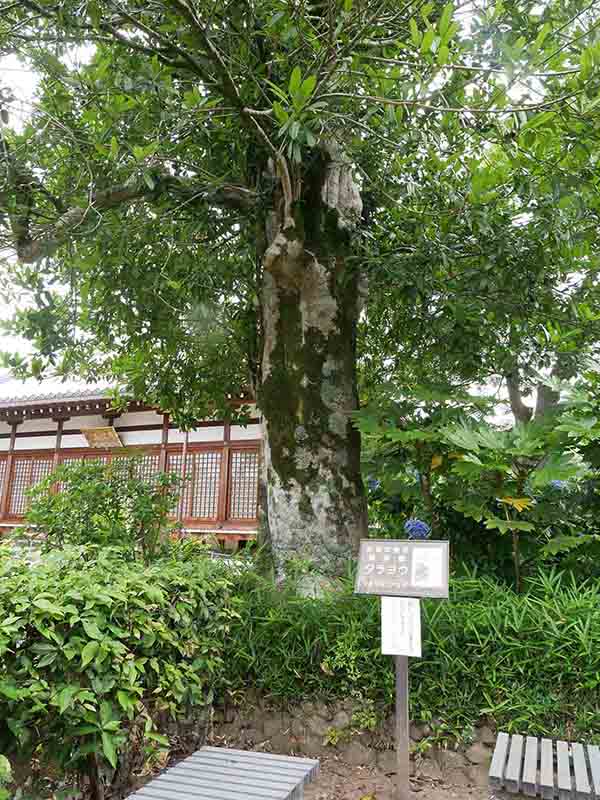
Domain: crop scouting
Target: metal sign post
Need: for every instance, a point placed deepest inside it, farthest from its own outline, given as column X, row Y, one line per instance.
column 401, row 572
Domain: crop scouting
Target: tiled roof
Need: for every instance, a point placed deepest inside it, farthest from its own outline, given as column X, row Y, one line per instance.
column 14, row 391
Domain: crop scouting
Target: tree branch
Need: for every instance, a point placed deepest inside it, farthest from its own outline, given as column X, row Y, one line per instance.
column 522, row 413
column 44, row 241
column 445, row 109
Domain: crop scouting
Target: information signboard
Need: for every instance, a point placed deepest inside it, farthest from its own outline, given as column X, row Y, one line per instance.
column 401, row 572
column 400, row 568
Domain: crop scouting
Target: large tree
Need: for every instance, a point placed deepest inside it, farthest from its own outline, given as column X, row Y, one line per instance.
column 196, row 203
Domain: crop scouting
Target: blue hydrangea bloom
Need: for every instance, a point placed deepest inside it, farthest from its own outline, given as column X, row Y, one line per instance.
column 417, row 529
column 558, row 485
column 373, row 484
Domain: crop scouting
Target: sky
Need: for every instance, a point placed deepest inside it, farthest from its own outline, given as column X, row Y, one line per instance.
column 22, row 82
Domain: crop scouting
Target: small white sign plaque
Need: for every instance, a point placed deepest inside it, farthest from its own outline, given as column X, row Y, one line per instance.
column 401, row 626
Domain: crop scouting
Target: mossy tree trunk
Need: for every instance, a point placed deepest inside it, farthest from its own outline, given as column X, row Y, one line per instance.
column 311, row 300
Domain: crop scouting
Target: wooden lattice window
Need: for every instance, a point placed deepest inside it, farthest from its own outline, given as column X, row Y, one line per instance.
column 204, row 469
column 26, row 473
column 147, row 468
column 2, row 474
column 70, row 460
column 243, row 493
column 99, row 458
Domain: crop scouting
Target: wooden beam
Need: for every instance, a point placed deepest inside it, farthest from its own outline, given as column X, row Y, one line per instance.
column 162, row 463
column 9, row 469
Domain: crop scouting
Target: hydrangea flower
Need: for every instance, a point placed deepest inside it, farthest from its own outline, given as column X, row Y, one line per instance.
column 417, row 529
column 560, row 485
column 373, row 484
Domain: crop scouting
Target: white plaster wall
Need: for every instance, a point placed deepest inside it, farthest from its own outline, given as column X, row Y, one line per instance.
column 130, row 438
column 210, row 434
column 37, row 425
column 35, row 442
column 206, row 434
column 75, row 440
column 249, row 432
column 139, row 418
column 4, row 443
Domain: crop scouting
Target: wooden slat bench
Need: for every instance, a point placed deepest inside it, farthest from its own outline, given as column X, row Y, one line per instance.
column 218, row 773
column 550, row 769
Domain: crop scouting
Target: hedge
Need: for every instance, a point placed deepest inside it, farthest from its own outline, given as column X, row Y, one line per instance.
column 97, row 653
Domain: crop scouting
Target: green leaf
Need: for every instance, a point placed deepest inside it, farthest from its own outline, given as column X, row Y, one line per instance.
column 307, row 86
column 446, row 19
column 46, row 605
column 65, row 697
column 158, row 737
column 427, row 40
column 280, row 112
column 348, row 5
column 47, row 659
column 92, row 629
column 295, row 80
column 504, row 525
column 85, row 730
column 88, row 653
column 126, row 700
column 109, row 749
column 587, row 63
column 149, row 181
column 9, row 690
column 541, row 37
column 114, row 148
column 414, row 32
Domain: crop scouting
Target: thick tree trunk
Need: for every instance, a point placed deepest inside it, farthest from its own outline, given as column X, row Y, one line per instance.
column 311, row 300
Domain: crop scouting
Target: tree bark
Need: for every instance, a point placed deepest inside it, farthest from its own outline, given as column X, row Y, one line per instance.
column 521, row 412
column 311, row 301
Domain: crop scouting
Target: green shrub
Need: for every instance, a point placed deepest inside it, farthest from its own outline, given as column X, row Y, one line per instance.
column 98, row 655
column 5, row 777
column 108, row 504
column 531, row 662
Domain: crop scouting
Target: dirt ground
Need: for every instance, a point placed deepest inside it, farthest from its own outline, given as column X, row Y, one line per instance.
column 339, row 781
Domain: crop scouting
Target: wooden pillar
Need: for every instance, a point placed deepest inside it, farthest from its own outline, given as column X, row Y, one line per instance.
column 162, row 462
column 402, row 788
column 9, row 469
column 224, row 475
column 183, row 477
column 60, row 422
